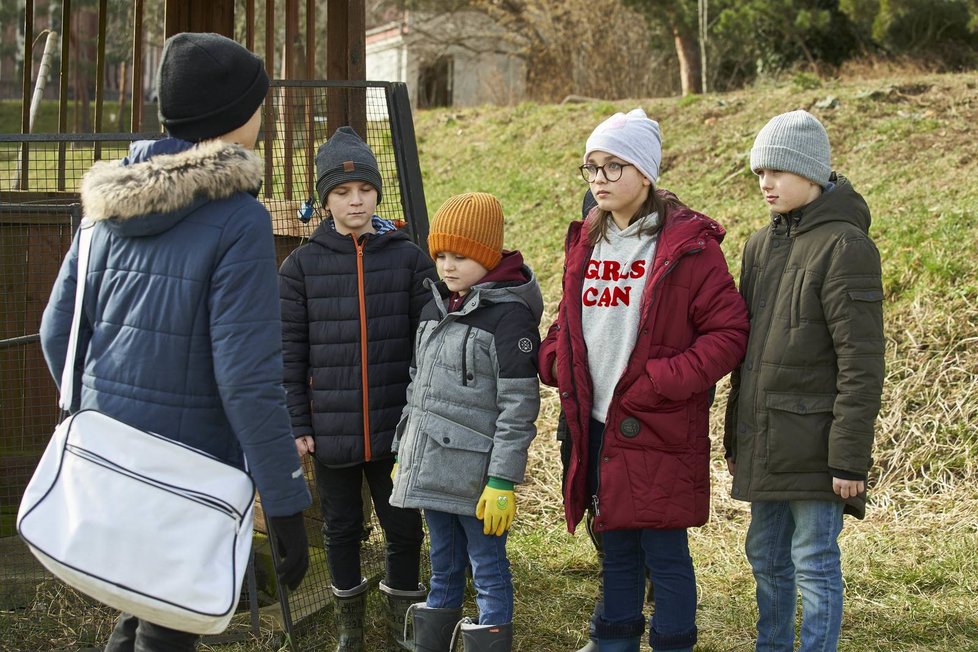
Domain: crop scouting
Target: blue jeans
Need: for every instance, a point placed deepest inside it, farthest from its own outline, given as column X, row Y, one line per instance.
column 627, row 553
column 793, row 546
column 456, row 542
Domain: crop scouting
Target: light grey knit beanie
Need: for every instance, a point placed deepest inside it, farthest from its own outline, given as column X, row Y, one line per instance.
column 794, row 142
column 633, row 137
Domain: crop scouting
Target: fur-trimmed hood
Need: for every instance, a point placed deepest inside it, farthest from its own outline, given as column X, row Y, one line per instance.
column 160, row 182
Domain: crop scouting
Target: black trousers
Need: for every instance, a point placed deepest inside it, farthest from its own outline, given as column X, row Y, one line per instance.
column 134, row 635
column 342, row 509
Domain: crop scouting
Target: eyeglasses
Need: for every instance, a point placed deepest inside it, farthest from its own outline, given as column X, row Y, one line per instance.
column 612, row 171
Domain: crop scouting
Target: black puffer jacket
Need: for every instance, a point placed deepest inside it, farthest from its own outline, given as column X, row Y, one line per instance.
column 349, row 312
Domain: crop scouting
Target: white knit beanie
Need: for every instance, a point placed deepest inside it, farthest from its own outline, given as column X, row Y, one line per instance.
column 794, row 142
column 632, row 137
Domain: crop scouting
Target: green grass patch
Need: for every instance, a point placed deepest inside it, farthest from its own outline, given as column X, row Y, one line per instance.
column 47, row 117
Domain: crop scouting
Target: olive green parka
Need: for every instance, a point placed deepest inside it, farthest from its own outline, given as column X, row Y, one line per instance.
column 803, row 403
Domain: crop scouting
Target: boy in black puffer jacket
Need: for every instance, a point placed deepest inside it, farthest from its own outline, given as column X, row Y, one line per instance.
column 351, row 298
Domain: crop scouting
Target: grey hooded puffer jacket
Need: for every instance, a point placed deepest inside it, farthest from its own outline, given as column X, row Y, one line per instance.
column 474, row 396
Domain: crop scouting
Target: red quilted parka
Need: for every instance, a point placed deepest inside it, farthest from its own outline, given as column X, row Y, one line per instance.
column 654, row 466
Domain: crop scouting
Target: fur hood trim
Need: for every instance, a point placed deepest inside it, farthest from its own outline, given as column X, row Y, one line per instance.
column 169, row 182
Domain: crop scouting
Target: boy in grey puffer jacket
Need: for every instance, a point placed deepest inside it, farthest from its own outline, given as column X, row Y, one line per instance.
column 472, row 405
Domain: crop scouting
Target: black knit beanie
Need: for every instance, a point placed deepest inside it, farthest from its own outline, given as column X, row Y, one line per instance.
column 208, row 85
column 345, row 157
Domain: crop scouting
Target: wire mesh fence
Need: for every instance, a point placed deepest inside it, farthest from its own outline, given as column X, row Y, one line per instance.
column 39, row 209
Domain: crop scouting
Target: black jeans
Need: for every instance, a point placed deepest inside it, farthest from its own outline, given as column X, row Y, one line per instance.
column 134, row 635
column 342, row 508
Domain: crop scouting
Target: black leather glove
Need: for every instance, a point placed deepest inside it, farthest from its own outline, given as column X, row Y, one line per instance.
column 293, row 548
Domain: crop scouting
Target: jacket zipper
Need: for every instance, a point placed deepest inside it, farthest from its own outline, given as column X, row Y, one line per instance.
column 465, row 356
column 365, row 392
column 573, row 378
column 204, row 500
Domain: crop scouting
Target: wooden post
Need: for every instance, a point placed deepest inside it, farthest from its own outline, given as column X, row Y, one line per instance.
column 288, row 111
column 136, row 124
column 268, row 120
column 311, row 141
column 24, row 172
column 100, row 74
column 188, row 16
column 63, row 93
column 345, row 61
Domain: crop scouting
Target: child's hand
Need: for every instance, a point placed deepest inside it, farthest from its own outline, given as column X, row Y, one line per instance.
column 305, row 445
column 497, row 509
column 731, row 465
column 848, row 488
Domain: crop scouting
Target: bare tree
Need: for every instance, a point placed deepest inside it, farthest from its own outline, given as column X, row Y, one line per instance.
column 597, row 48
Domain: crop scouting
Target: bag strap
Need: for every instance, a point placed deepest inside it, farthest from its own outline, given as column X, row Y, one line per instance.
column 68, row 374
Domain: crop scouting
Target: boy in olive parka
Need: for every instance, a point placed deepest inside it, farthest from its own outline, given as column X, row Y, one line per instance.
column 803, row 404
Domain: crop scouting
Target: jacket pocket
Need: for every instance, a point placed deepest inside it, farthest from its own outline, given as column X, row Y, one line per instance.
column 649, row 420
column 455, row 459
column 796, row 298
column 871, row 296
column 798, row 432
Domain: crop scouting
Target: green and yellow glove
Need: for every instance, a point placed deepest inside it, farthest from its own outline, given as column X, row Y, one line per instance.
column 394, row 470
column 497, row 506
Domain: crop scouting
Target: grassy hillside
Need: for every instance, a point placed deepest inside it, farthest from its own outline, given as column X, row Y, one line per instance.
column 908, row 145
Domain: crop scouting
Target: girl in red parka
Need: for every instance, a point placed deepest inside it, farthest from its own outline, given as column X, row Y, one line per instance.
column 649, row 321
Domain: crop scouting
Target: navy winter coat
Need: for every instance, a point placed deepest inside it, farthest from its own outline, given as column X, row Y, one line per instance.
column 350, row 308
column 180, row 332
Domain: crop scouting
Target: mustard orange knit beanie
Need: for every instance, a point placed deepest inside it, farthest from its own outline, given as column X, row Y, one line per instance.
column 470, row 225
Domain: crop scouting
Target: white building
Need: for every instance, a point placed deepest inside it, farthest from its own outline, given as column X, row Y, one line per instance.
column 460, row 59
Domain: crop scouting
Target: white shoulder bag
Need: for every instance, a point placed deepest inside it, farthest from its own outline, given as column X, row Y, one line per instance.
column 137, row 521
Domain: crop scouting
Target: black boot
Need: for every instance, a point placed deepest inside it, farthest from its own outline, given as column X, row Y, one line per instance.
column 433, row 627
column 398, row 602
column 350, row 607
column 486, row 638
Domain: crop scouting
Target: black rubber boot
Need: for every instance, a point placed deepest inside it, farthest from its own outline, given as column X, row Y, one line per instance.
column 398, row 602
column 351, row 604
column 486, row 638
column 433, row 627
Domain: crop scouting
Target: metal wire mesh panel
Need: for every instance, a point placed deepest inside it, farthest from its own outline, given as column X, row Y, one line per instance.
column 39, row 180
column 29, row 256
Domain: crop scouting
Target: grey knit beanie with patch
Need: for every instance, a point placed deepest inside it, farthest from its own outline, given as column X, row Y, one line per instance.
column 794, row 142
column 345, row 157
